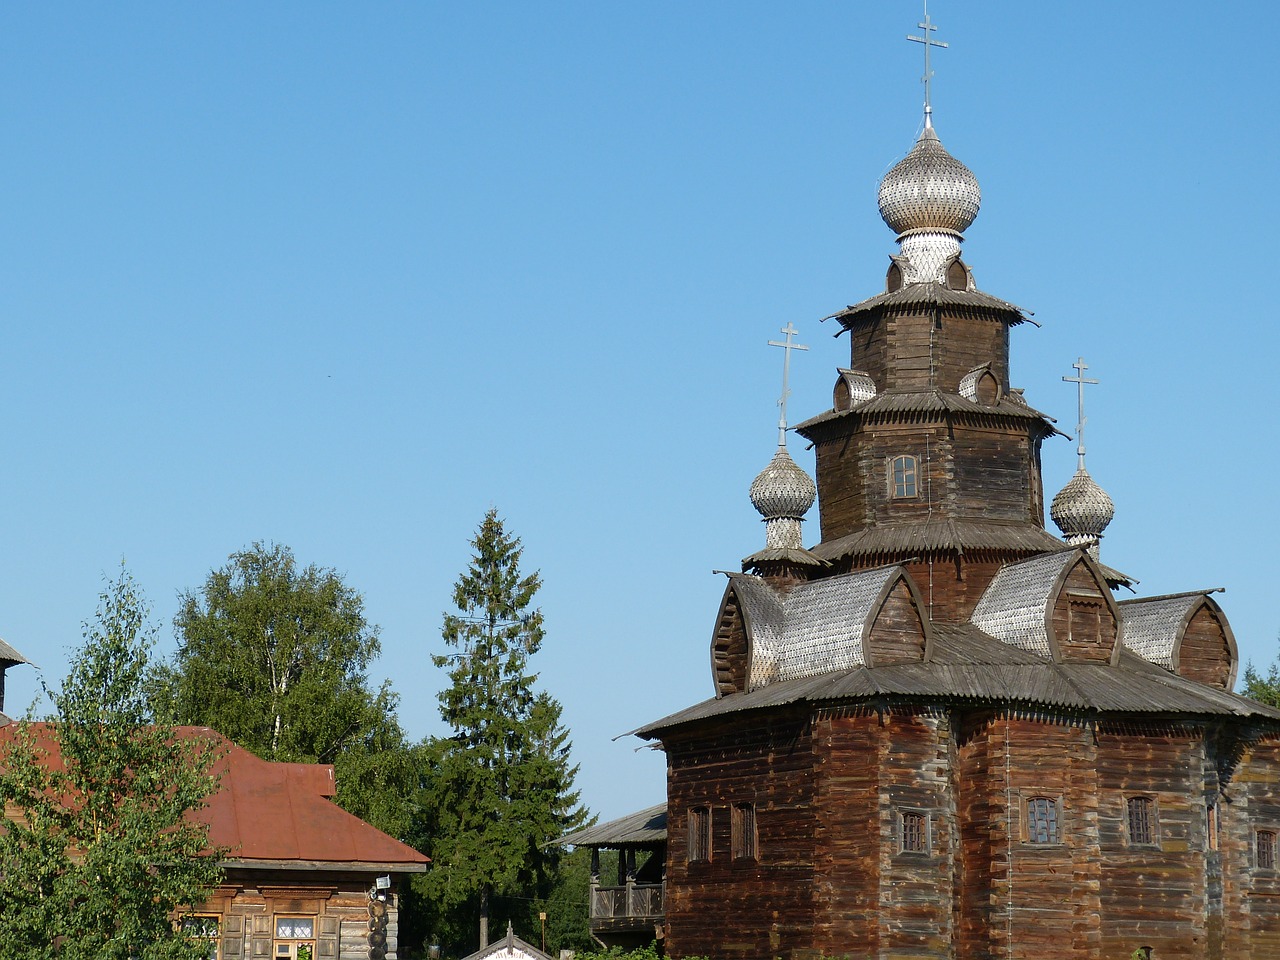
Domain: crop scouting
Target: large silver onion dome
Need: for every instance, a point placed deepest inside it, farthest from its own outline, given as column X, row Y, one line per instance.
column 1082, row 509
column 929, row 189
column 782, row 489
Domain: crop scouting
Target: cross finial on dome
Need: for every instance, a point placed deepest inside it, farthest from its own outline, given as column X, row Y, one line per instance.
column 1080, row 380
column 787, row 346
column 928, row 27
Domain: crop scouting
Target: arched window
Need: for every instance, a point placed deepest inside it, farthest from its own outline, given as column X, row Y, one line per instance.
column 743, row 830
column 699, row 834
column 904, row 477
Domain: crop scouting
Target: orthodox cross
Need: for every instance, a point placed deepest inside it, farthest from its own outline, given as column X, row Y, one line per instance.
column 787, row 346
column 928, row 41
column 1080, row 380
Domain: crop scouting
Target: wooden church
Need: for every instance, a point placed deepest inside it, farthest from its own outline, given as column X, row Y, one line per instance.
column 937, row 733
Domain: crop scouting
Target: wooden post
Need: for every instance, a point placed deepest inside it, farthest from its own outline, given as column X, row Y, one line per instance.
column 484, row 917
column 593, row 912
column 631, row 880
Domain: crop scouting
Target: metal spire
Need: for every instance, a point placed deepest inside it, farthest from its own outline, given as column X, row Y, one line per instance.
column 1080, row 380
column 928, row 27
column 787, row 346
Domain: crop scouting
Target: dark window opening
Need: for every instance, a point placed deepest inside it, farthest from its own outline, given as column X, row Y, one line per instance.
column 699, row 834
column 743, row 828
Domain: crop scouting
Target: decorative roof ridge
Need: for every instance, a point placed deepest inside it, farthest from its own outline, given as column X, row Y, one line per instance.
column 1172, row 596
column 934, row 292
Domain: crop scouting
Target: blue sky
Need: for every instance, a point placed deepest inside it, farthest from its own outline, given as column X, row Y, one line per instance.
column 345, row 276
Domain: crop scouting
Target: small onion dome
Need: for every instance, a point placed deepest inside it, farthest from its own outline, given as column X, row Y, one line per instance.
column 1082, row 509
column 782, row 489
column 929, row 189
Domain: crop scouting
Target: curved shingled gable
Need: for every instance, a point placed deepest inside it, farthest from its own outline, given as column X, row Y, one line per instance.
column 1160, row 629
column 1028, row 605
column 766, row 634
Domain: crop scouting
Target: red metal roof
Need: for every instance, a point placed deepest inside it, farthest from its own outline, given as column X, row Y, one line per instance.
column 281, row 812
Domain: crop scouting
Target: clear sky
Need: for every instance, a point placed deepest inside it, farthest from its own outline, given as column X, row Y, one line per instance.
column 345, row 276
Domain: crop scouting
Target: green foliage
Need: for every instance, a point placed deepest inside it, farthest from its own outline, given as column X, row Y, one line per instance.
column 503, row 782
column 98, row 853
column 648, row 952
column 1264, row 690
column 275, row 658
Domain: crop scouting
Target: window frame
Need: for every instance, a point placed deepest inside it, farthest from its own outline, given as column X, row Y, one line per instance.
column 698, row 839
column 744, row 833
column 294, row 943
column 1056, row 819
column 924, row 834
column 1273, row 844
column 910, row 477
column 1151, row 814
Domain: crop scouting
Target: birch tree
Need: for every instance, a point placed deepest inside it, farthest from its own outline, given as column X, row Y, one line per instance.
column 275, row 657
column 100, row 854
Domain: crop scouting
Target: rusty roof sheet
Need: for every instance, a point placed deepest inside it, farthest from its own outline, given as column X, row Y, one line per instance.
column 930, row 294
column 645, row 828
column 280, row 813
column 909, row 538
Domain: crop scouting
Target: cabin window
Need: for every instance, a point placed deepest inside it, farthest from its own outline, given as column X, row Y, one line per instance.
column 699, row 834
column 295, row 938
column 1264, row 849
column 913, row 832
column 1043, row 820
column 203, row 927
column 904, row 478
column 1142, row 820
column 743, row 829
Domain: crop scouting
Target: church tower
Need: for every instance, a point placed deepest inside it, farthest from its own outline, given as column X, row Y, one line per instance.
column 929, row 457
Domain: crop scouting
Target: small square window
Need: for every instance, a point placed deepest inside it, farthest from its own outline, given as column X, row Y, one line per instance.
column 1142, row 820
column 295, row 938
column 1042, row 820
column 914, row 836
column 699, row 834
column 1264, row 849
column 743, row 826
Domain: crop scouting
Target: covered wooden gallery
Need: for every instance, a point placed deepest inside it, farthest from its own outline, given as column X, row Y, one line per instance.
column 937, row 733
column 301, row 880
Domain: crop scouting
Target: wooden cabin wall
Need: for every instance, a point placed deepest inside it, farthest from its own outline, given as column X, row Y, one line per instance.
column 250, row 900
column 749, row 909
column 992, row 473
column 1154, row 894
column 915, row 348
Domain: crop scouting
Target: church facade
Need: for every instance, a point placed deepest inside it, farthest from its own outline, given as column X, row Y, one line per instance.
column 938, row 733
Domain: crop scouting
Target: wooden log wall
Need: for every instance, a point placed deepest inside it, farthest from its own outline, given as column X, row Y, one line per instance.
column 1251, row 894
column 1084, row 626
column 916, row 349
column 250, row 900
column 1204, row 654
column 726, row 908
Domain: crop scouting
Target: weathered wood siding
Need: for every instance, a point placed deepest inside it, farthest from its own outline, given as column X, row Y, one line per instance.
column 915, row 349
column 1084, row 625
column 897, row 635
column 726, row 908
column 1204, row 654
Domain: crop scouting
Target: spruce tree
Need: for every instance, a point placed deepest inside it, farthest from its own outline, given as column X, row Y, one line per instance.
column 100, row 854
column 503, row 783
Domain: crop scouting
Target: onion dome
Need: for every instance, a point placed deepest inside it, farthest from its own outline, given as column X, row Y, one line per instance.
column 1082, row 509
column 783, row 494
column 929, row 198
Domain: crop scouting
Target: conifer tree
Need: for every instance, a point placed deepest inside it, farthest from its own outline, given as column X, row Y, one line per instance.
column 503, row 783
column 98, row 853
